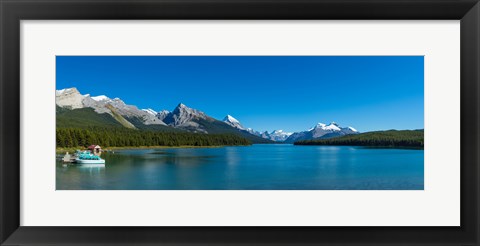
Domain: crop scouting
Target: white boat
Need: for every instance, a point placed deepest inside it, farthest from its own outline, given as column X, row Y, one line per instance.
column 86, row 157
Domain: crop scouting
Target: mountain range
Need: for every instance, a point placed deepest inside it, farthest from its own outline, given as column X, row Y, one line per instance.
column 321, row 131
column 76, row 109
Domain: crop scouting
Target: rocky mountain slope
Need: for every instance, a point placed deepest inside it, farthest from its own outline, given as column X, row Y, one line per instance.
column 72, row 99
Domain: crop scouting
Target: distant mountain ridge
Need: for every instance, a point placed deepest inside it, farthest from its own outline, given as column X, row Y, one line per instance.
column 181, row 118
column 275, row 135
column 321, row 131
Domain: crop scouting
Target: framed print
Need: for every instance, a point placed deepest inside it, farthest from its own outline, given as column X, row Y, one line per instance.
column 238, row 122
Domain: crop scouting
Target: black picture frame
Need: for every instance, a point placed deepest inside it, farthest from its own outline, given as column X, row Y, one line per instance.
column 13, row 11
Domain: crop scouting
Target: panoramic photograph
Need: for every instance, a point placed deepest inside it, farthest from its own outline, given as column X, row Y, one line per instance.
column 239, row 122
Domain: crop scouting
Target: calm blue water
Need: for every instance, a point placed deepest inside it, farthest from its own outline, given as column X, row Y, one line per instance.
column 257, row 167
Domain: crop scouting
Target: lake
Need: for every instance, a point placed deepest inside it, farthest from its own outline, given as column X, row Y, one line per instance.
column 256, row 167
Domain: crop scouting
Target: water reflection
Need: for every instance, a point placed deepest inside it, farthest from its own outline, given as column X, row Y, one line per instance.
column 85, row 167
column 92, row 169
column 258, row 167
column 73, row 176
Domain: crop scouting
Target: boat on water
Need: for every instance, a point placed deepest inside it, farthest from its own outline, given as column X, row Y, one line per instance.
column 86, row 157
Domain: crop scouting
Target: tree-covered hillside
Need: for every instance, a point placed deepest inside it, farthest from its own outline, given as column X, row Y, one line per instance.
column 84, row 126
column 84, row 117
column 87, row 117
column 124, row 137
column 182, row 119
column 391, row 138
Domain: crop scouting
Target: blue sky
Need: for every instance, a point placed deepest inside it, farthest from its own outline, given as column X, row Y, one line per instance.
column 292, row 93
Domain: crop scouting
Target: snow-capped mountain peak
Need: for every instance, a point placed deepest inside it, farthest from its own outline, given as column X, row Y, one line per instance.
column 231, row 119
column 281, row 132
column 233, row 122
column 321, row 130
column 318, row 125
column 275, row 135
column 150, row 111
column 279, row 135
column 352, row 129
column 330, row 127
column 66, row 90
column 100, row 98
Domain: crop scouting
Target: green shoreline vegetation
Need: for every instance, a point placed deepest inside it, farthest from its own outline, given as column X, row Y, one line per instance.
column 390, row 138
column 71, row 137
column 61, row 150
column 79, row 128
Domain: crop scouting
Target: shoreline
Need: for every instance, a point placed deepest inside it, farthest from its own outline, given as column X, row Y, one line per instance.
column 169, row 147
column 73, row 149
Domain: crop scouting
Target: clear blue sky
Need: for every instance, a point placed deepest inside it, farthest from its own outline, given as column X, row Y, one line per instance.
column 292, row 93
